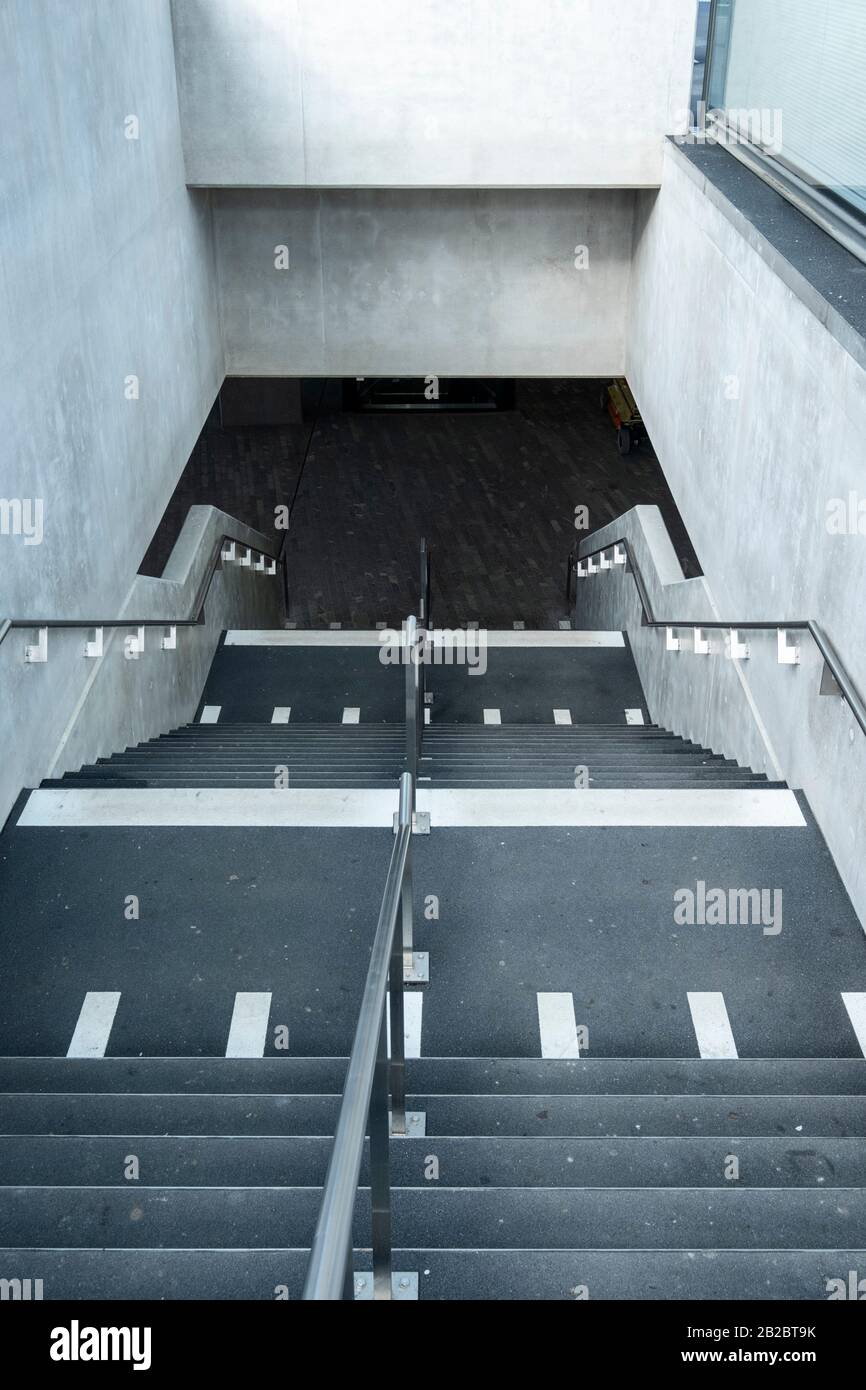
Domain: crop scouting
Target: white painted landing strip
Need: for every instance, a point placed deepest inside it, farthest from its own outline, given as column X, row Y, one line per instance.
column 712, row 1026
column 248, row 1031
column 499, row 637
column 413, row 1008
column 94, row 1025
column 286, row 806
column 557, row 1026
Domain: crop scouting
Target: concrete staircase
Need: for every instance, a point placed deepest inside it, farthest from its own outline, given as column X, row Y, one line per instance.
column 537, row 1176
column 453, row 755
column 555, row 1179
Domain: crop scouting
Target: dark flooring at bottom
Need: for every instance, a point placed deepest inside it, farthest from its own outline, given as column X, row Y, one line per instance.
column 586, row 911
column 494, row 493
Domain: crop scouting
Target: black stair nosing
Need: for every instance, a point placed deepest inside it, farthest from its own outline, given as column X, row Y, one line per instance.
column 493, row 1076
column 203, row 1273
column 668, row 1218
column 504, row 1161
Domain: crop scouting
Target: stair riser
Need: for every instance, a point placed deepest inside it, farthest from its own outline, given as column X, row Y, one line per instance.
column 482, row 1161
column 430, row 1217
column 797, row 1117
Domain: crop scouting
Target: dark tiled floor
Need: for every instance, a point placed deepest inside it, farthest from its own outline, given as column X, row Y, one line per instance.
column 494, row 494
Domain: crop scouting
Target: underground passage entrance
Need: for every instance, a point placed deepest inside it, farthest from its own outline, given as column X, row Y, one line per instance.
column 495, row 473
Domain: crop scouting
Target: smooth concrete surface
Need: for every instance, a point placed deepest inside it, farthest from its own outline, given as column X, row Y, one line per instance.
column 704, row 699
column 482, row 93
column 758, row 415
column 767, row 716
column 107, row 289
column 112, row 701
column 342, row 808
column 417, row 282
column 445, row 638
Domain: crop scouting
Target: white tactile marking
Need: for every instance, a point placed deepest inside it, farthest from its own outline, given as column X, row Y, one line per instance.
column 249, row 1026
column 712, row 1025
column 856, row 1006
column 519, row 627
column 281, row 714
column 634, row 716
column 413, row 1004
column 562, row 716
column 492, row 716
column 557, row 1026
column 352, row 714
column 565, row 625
column 291, row 806
column 94, row 1025
column 210, row 714
column 370, row 637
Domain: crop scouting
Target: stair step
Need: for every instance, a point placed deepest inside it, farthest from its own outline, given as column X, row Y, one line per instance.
column 429, row 1217
column 479, row 1161
column 452, row 1275
column 563, row 1115
column 491, row 1077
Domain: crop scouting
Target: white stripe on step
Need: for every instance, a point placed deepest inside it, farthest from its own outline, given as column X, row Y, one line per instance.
column 93, row 1028
column 495, row 637
column 352, row 714
column 562, row 716
column 634, row 716
column 344, row 806
column 492, row 716
column 210, row 714
column 712, row 1025
column 856, row 1006
column 413, row 1004
column 249, row 1025
column 557, row 1025
column 281, row 714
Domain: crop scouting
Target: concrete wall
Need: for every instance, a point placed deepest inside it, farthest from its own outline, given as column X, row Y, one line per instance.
column 754, row 393
column 108, row 273
column 93, row 707
column 410, row 282
column 431, row 93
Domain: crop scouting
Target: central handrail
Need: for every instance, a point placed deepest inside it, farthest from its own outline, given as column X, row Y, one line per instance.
column 374, row 1093
column 371, row 1079
column 833, row 662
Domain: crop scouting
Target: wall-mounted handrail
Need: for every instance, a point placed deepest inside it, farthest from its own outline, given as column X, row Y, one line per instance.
column 374, row 1085
column 194, row 617
column 833, row 662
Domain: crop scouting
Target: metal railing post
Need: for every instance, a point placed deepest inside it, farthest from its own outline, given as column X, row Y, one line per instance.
column 380, row 1138
column 410, row 637
column 400, row 958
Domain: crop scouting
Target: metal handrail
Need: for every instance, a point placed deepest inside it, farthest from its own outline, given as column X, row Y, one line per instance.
column 372, row 1080
column 833, row 662
column 424, row 609
column 197, row 607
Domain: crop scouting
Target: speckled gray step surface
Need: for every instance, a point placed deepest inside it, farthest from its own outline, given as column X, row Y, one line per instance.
column 538, row 1115
column 438, row 1217
column 479, row 1161
column 467, row 1076
column 445, row 1275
